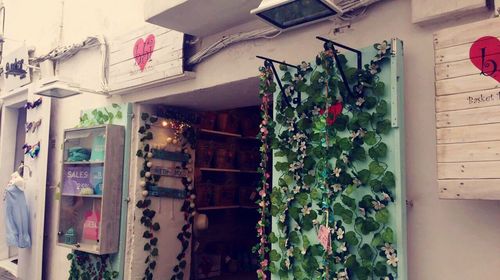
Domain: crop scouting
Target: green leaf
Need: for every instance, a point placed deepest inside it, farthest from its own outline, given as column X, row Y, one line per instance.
column 365, row 252
column 362, row 272
column 370, row 138
column 315, row 194
column 388, row 235
column 364, row 176
column 377, row 240
column 381, row 108
column 376, row 168
column 345, row 144
column 370, row 102
column 70, row 256
column 351, row 239
column 294, row 213
column 358, row 154
column 302, row 198
column 389, row 180
column 273, row 238
column 294, row 238
column 382, row 216
column 383, row 126
column 379, row 89
column 364, row 119
column 351, row 262
column 350, row 202
column 274, row 256
column 309, row 179
column 144, row 116
column 380, row 269
column 378, row 151
column 154, row 252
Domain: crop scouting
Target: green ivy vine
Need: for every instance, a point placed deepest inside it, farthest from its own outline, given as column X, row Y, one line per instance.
column 148, row 180
column 86, row 266
column 101, row 116
column 330, row 154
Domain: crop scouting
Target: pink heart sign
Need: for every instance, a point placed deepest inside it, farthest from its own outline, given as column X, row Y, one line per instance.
column 485, row 55
column 143, row 49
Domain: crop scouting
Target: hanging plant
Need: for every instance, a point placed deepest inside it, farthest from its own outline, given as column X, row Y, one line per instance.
column 148, row 180
column 327, row 191
column 85, row 266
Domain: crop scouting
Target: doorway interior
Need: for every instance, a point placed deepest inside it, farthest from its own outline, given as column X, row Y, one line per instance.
column 225, row 177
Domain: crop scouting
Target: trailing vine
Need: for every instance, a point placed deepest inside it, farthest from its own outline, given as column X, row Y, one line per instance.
column 265, row 134
column 327, row 191
column 86, row 266
column 149, row 180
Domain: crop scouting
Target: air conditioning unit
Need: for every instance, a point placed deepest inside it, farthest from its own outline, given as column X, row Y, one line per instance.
column 285, row 14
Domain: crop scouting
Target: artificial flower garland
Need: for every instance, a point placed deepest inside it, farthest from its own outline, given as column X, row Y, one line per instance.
column 315, row 193
column 265, row 134
column 149, row 180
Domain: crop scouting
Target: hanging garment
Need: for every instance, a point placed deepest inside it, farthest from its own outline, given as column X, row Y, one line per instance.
column 17, row 214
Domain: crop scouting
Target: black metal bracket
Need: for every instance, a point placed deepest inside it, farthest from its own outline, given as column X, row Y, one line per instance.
column 337, row 60
column 268, row 62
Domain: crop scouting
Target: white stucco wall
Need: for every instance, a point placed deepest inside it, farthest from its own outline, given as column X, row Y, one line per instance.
column 447, row 239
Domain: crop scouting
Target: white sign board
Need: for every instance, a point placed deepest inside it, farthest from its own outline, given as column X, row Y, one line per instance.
column 145, row 57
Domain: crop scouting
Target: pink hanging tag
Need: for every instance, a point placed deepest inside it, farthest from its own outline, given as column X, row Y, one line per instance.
column 324, row 237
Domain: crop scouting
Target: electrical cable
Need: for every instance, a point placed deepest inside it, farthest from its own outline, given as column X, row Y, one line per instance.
column 266, row 33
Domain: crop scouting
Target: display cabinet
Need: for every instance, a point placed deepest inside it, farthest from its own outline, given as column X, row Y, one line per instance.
column 91, row 182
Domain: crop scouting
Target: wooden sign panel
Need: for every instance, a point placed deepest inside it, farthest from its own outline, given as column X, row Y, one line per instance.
column 468, row 110
column 148, row 56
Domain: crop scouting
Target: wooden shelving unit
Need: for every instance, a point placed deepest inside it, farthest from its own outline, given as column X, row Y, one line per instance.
column 226, row 170
column 82, row 195
column 83, row 162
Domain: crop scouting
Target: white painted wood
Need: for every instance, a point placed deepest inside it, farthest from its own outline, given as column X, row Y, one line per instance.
column 463, row 152
column 31, row 259
column 487, row 189
column 457, row 68
column 465, row 84
column 453, row 53
column 464, row 134
column 468, row 100
column 469, row 170
column 484, row 115
column 468, row 33
column 12, row 82
column 165, row 64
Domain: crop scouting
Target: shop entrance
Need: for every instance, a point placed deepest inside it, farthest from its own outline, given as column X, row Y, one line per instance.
column 226, row 178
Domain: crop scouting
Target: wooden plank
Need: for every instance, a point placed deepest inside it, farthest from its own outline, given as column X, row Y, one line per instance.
column 144, row 80
column 468, row 100
column 476, row 133
column 468, row 117
column 473, row 170
column 464, row 152
column 470, row 189
column 134, row 34
column 466, row 33
column 465, row 84
column 454, row 53
column 130, row 68
column 457, row 69
column 125, row 51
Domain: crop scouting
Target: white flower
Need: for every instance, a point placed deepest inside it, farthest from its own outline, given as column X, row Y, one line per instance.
column 296, row 189
column 303, row 146
column 378, row 205
column 315, row 222
column 342, row 275
column 342, row 248
column 287, row 263
column 303, row 251
column 340, row 233
column 344, row 158
column 388, row 249
column 361, row 132
column 360, row 101
column 282, row 218
column 337, row 171
column 289, row 252
column 362, row 212
column 336, row 187
column 356, row 182
column 298, row 77
column 288, row 91
column 304, row 66
column 316, row 111
column 306, row 210
column 337, row 259
column 296, row 177
column 392, row 260
column 297, row 228
column 386, row 196
column 354, row 135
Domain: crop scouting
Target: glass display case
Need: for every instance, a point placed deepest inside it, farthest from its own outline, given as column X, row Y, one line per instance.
column 91, row 184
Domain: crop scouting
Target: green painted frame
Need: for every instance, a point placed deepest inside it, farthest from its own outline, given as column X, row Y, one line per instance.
column 392, row 75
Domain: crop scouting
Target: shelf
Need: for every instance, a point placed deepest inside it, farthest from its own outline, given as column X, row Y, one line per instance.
column 222, row 133
column 226, row 170
column 226, row 207
column 89, row 248
column 82, row 195
column 83, row 162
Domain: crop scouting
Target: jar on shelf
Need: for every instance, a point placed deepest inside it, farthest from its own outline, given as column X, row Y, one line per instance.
column 208, row 120
column 204, row 153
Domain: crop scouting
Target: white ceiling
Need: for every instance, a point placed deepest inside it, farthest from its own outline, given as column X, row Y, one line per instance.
column 226, row 96
column 199, row 17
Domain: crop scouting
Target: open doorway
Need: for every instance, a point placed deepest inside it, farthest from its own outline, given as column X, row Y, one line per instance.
column 225, row 177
